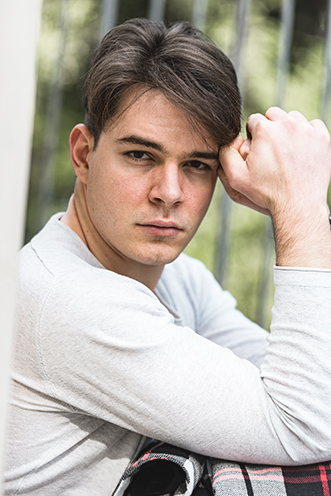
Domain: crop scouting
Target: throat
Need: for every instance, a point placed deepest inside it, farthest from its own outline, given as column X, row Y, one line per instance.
column 145, row 274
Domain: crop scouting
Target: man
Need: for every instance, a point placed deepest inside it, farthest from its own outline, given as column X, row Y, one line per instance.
column 119, row 336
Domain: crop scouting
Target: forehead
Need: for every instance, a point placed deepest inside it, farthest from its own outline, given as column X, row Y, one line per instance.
column 150, row 113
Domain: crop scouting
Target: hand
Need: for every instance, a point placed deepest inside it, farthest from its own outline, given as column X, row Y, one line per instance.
column 238, row 146
column 287, row 162
column 285, row 168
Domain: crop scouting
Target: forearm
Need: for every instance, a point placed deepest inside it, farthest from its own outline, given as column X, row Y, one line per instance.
column 296, row 372
column 303, row 239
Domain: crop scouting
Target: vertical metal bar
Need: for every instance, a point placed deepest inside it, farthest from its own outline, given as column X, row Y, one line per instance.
column 325, row 110
column 284, row 54
column 223, row 240
column 19, row 32
column 199, row 14
column 243, row 8
column 243, row 11
column 109, row 16
column 156, row 10
column 53, row 115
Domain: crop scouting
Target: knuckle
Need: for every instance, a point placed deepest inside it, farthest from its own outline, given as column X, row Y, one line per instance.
column 295, row 114
column 272, row 109
column 320, row 128
column 261, row 127
column 253, row 118
column 290, row 122
column 317, row 122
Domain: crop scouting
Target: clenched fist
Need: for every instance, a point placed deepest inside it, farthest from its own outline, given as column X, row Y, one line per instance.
column 284, row 169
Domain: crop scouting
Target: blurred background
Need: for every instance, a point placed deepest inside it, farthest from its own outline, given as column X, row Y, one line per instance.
column 281, row 50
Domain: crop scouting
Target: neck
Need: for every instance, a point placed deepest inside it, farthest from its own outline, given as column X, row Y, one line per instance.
column 78, row 219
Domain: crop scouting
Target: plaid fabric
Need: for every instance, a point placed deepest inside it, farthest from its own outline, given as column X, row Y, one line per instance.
column 164, row 470
column 230, row 478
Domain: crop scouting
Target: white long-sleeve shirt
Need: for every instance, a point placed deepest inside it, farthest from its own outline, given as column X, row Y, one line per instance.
column 102, row 361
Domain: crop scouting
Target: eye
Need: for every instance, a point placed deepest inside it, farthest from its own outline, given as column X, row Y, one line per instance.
column 197, row 165
column 138, row 155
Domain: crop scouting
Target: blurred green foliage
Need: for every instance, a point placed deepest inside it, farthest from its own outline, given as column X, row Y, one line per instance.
column 259, row 73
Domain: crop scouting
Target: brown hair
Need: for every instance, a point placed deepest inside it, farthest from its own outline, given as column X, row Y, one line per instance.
column 180, row 61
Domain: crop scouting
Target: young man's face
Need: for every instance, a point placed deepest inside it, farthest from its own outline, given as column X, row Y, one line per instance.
column 150, row 181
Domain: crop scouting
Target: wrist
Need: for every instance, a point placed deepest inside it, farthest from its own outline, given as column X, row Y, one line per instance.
column 303, row 240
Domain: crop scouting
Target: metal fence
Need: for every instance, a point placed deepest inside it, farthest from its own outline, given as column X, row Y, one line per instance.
column 199, row 12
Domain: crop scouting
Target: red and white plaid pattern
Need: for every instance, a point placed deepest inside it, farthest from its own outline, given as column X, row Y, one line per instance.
column 231, row 478
column 196, row 475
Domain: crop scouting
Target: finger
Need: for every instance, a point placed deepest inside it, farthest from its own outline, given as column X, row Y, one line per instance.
column 239, row 197
column 244, row 149
column 297, row 116
column 248, row 133
column 261, row 122
column 275, row 114
column 252, row 121
column 319, row 125
column 231, row 149
column 236, row 143
column 230, row 157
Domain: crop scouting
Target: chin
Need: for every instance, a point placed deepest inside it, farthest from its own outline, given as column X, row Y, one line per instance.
column 159, row 257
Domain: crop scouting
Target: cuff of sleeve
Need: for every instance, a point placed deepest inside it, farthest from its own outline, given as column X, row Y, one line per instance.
column 302, row 276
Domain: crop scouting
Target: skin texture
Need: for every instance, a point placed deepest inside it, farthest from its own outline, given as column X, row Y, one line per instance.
column 285, row 170
column 149, row 184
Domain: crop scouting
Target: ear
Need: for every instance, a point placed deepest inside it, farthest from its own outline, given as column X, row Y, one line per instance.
column 81, row 144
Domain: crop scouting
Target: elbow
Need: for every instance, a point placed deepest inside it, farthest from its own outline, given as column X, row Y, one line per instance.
column 306, row 443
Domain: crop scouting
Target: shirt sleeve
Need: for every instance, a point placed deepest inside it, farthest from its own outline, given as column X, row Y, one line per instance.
column 219, row 320
column 114, row 352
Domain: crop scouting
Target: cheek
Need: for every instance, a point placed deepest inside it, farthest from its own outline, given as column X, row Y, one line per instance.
column 117, row 190
column 201, row 197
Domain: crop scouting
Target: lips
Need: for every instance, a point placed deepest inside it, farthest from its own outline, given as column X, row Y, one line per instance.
column 161, row 228
column 162, row 223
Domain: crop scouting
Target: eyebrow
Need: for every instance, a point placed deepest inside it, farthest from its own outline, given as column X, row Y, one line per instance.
column 205, row 155
column 137, row 140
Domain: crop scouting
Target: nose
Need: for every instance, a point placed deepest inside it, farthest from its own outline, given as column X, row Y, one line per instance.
column 167, row 185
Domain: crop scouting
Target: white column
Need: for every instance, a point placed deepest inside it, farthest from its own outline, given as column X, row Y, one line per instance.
column 19, row 32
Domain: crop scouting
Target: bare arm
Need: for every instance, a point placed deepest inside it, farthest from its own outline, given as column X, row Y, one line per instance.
column 285, row 170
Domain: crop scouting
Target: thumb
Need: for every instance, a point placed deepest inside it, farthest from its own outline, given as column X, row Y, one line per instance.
column 230, row 156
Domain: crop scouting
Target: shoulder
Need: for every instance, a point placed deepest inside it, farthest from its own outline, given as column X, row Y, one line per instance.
column 60, row 279
column 188, row 286
column 186, row 269
column 189, row 275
